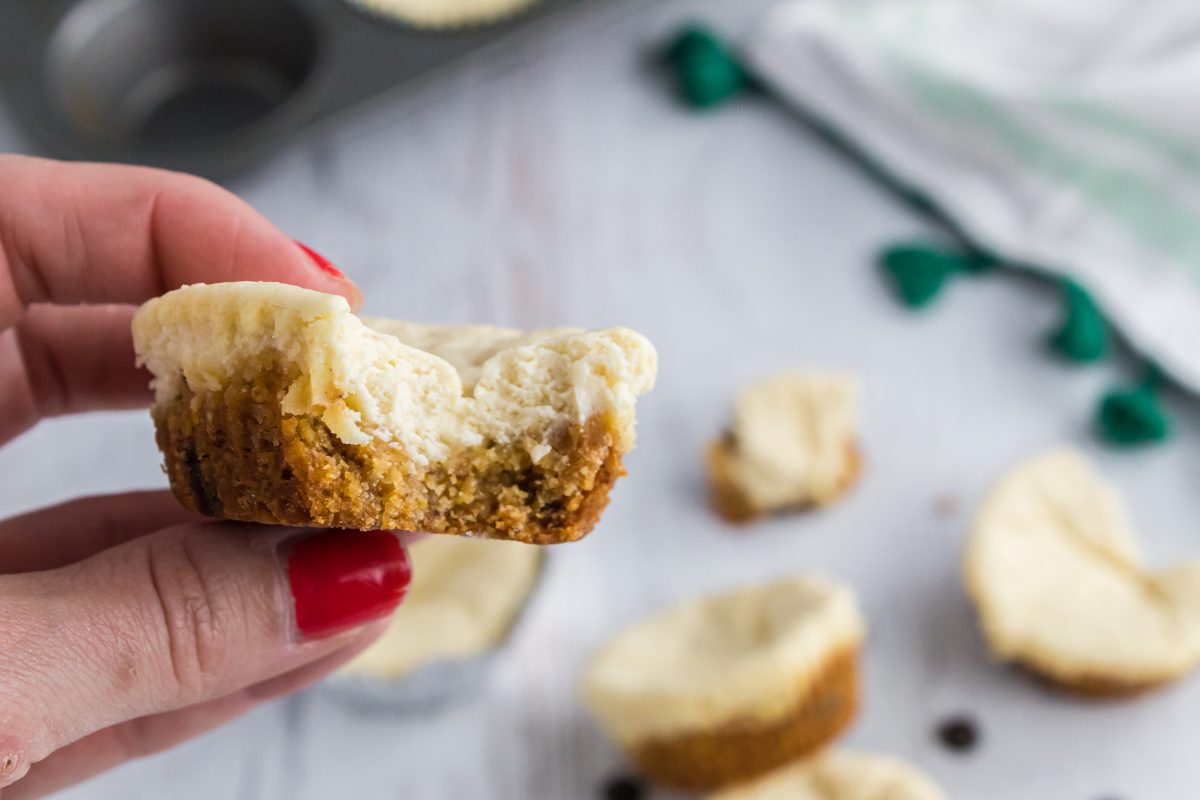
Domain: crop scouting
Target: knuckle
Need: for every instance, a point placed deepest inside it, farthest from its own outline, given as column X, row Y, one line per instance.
column 193, row 616
column 137, row 738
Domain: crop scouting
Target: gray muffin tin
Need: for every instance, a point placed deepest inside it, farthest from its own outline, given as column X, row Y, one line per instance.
column 207, row 86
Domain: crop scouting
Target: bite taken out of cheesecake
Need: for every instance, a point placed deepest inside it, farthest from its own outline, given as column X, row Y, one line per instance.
column 277, row 404
column 791, row 445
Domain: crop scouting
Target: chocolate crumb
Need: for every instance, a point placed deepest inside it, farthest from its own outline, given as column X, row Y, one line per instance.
column 959, row 734
column 624, row 787
column 945, row 505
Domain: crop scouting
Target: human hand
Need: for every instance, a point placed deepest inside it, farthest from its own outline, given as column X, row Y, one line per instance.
column 128, row 624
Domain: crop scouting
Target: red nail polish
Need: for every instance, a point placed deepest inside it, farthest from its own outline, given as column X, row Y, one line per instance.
column 323, row 263
column 343, row 579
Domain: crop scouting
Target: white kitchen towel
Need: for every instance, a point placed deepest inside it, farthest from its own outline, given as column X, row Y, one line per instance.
column 1063, row 135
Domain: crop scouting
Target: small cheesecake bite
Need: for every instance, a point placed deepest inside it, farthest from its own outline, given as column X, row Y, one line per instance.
column 1059, row 585
column 792, row 444
column 726, row 688
column 839, row 775
column 276, row 404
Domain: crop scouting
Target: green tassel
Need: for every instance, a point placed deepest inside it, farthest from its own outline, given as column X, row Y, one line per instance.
column 1083, row 336
column 1130, row 417
column 707, row 73
column 917, row 272
column 978, row 261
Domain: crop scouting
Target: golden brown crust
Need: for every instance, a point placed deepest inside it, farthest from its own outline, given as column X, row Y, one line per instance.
column 730, row 501
column 740, row 750
column 234, row 454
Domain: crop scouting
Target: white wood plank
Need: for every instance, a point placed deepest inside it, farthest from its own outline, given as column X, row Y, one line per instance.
column 561, row 187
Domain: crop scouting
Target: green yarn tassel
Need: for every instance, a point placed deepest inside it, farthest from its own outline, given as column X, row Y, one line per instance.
column 1083, row 336
column 917, row 272
column 707, row 73
column 979, row 261
column 1132, row 417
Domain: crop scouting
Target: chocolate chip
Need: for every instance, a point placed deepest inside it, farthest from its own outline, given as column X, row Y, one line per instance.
column 207, row 501
column 959, row 733
column 945, row 505
column 624, row 787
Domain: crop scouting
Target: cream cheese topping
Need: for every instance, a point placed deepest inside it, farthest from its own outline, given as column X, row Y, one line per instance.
column 426, row 388
column 464, row 596
column 747, row 654
column 1059, row 584
column 793, row 435
column 839, row 775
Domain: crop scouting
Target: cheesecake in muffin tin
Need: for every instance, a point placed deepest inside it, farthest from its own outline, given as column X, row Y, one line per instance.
column 443, row 15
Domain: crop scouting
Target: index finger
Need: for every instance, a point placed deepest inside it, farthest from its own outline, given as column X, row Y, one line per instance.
column 76, row 233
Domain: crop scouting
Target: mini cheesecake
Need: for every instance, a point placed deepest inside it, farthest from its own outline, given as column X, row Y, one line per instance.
column 277, row 404
column 1058, row 581
column 726, row 688
column 792, row 444
column 839, row 775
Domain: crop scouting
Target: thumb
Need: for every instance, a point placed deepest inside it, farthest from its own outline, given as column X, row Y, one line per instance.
column 186, row 615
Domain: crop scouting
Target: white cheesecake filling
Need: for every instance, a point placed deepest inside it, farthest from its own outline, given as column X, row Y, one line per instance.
column 428, row 389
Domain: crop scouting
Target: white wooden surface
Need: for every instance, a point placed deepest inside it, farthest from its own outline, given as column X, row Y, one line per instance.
column 559, row 186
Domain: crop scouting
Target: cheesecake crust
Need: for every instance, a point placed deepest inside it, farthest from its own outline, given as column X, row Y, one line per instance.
column 233, row 453
column 739, row 750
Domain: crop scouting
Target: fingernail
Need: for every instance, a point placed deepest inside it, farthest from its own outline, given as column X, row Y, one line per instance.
column 345, row 579
column 323, row 263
